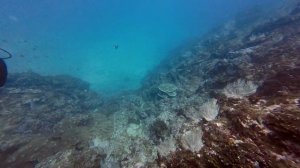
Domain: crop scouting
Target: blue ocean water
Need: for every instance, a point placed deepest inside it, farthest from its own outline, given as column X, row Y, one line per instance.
column 77, row 37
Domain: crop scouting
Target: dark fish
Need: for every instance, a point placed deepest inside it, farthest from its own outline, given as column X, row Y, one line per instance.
column 116, row 46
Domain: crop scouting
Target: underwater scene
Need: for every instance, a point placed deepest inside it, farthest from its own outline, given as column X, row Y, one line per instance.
column 150, row 84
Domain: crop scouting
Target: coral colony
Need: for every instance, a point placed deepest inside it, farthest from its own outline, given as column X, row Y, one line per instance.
column 230, row 100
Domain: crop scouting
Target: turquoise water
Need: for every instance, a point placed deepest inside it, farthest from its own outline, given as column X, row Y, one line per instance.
column 77, row 37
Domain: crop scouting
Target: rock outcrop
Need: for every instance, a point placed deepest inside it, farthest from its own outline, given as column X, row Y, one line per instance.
column 231, row 100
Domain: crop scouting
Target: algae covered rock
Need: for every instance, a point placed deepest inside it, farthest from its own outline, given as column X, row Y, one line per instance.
column 158, row 131
column 167, row 89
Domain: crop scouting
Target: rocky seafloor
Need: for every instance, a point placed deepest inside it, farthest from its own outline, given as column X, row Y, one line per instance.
column 230, row 100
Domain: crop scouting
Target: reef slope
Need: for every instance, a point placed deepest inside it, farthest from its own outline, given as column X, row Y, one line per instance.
column 230, row 100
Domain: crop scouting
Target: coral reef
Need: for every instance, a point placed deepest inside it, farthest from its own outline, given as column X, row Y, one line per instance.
column 41, row 116
column 259, row 132
column 230, row 100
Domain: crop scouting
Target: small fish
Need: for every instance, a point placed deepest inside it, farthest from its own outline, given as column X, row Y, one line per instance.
column 116, row 46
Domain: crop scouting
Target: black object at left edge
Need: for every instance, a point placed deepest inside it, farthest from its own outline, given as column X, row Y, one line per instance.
column 3, row 67
column 3, row 72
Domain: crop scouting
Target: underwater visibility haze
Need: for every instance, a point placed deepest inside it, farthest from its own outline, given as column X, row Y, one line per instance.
column 149, row 83
column 77, row 37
